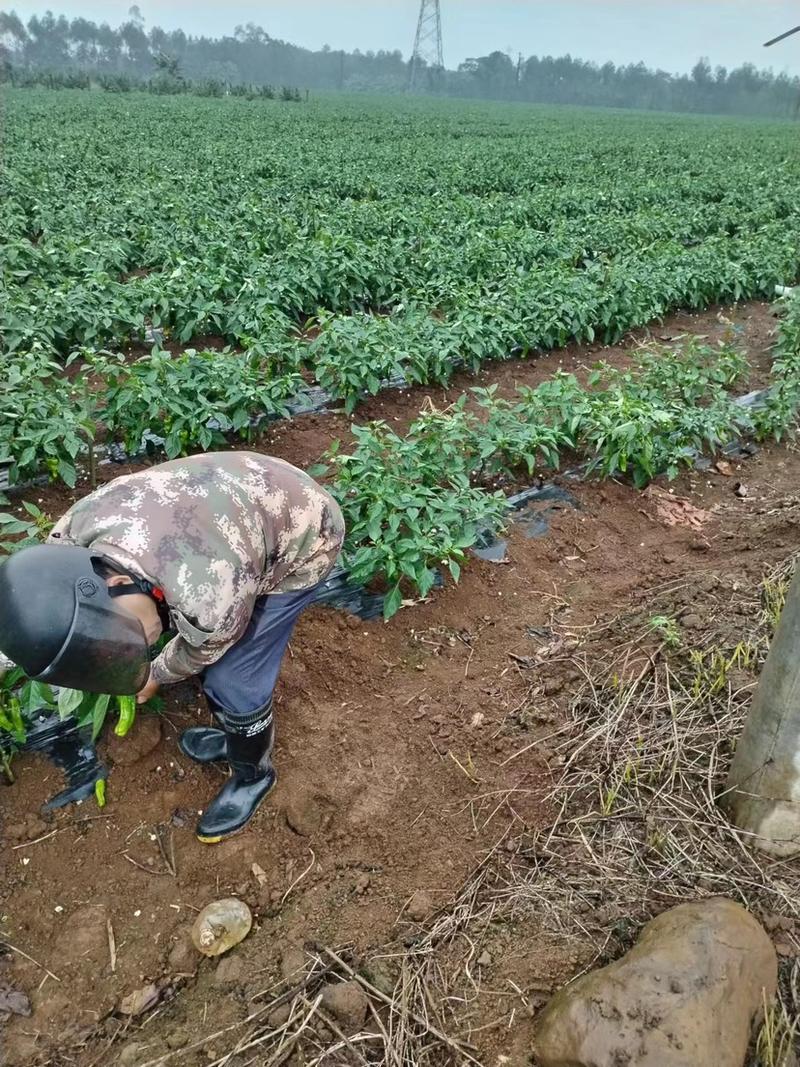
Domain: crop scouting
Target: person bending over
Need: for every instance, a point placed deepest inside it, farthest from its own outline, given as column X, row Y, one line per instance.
column 221, row 552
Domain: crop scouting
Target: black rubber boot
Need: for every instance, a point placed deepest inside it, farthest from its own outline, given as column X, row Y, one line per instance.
column 205, row 744
column 248, row 747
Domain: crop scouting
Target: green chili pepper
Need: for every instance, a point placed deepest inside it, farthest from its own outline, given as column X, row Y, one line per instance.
column 100, row 792
column 127, row 713
column 15, row 708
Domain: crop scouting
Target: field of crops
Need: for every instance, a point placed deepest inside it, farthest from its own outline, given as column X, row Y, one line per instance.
column 179, row 274
column 351, row 243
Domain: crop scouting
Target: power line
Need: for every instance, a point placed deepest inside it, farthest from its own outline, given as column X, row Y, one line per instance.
column 427, row 56
column 782, row 37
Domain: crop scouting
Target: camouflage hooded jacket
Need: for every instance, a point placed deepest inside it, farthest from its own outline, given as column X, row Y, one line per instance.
column 213, row 532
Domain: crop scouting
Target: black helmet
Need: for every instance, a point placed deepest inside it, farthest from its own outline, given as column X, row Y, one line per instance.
column 59, row 623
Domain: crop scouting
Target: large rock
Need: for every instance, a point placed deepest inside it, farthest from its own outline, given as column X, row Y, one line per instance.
column 685, row 995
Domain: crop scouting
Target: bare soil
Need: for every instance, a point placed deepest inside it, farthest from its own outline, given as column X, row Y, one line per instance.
column 406, row 752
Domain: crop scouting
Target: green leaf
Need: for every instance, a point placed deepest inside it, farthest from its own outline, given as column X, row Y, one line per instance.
column 67, row 473
column 69, row 700
column 36, row 697
column 99, row 712
column 318, row 470
column 392, row 602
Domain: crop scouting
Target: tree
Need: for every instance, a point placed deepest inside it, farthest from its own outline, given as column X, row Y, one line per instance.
column 166, row 64
column 251, row 56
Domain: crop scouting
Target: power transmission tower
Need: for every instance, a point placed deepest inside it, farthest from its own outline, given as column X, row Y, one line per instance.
column 427, row 55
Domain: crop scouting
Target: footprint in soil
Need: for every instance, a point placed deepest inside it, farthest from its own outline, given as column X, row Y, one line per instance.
column 308, row 813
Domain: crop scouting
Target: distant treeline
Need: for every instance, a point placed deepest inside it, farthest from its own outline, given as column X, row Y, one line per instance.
column 55, row 44
column 162, row 84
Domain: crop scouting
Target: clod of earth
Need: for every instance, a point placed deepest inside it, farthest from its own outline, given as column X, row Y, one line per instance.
column 182, row 958
column 178, row 1038
column 229, row 972
column 293, row 964
column 134, row 1054
column 348, row 1003
column 144, row 738
column 303, row 814
column 381, row 973
column 221, row 925
column 279, row 1016
column 83, row 937
column 13, row 1002
column 686, row 994
column 420, row 907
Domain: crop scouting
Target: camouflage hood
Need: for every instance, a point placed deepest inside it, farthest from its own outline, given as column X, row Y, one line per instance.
column 214, row 532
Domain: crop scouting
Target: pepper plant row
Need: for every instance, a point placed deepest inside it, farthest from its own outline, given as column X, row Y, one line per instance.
column 417, row 502
column 407, row 237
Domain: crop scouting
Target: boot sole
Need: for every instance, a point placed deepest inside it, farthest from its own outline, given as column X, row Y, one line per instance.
column 232, row 833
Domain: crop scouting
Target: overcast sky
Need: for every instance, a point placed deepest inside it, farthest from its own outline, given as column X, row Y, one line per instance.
column 670, row 34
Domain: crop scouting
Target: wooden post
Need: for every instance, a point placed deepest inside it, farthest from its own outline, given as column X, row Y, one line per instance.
column 762, row 795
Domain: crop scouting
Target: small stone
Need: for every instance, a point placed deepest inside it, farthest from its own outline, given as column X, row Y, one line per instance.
column 553, row 686
column 692, row 622
column 421, row 906
column 134, row 1054
column 140, row 1000
column 741, row 490
column 484, row 960
column 362, row 883
column 177, row 1038
column 348, row 1003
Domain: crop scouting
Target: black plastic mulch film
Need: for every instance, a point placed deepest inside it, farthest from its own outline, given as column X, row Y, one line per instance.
column 72, row 750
